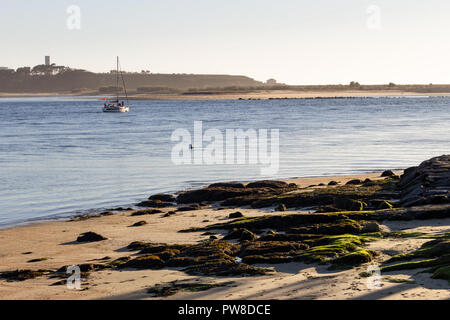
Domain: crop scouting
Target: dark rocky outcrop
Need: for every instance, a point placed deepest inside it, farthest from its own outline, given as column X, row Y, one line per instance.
column 354, row 182
column 139, row 224
column 162, row 197
column 269, row 184
column 235, row 185
column 235, row 215
column 429, row 183
column 388, row 173
column 240, row 234
column 212, row 194
column 90, row 237
column 22, row 275
column 349, row 204
column 226, row 191
column 154, row 204
column 145, row 212
column 190, row 208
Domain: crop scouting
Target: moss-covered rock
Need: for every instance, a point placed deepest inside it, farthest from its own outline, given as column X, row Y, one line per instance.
column 174, row 287
column 349, row 204
column 240, row 234
column 344, row 226
column 433, row 255
column 22, row 275
column 332, row 248
column 144, row 262
column 355, row 258
column 442, row 273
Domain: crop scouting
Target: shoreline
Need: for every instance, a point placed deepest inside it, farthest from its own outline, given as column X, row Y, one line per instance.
column 93, row 211
column 52, row 244
column 263, row 95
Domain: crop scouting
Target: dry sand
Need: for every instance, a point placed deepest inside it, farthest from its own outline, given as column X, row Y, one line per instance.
column 56, row 241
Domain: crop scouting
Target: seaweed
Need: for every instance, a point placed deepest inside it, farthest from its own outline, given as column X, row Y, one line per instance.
column 174, row 287
column 433, row 255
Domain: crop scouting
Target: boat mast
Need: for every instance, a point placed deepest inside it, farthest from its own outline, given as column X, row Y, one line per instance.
column 124, row 88
column 117, row 80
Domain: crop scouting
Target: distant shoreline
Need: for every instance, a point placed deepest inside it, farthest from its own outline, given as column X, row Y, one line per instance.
column 257, row 95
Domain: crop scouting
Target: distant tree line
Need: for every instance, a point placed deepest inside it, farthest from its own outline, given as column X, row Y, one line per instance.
column 43, row 78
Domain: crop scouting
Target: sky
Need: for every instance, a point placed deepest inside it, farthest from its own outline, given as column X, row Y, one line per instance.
column 293, row 41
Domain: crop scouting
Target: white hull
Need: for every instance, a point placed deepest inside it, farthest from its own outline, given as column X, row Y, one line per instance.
column 116, row 109
column 115, row 105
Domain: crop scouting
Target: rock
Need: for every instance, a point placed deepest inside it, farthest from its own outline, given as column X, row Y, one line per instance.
column 344, row 226
column 388, row 173
column 163, row 197
column 136, row 245
column 333, row 183
column 248, row 236
column 323, row 209
column 241, row 234
column 281, row 207
column 145, row 212
column 235, row 215
column 371, row 227
column 226, row 191
column 140, row 223
column 189, row 208
column 227, row 185
column 106, row 213
column 385, row 205
column 144, row 262
column 355, row 258
column 321, row 184
column 429, row 183
column 90, row 237
column 212, row 194
column 268, row 184
column 349, row 204
column 354, row 182
column 21, row 275
column 154, row 204
column 170, row 213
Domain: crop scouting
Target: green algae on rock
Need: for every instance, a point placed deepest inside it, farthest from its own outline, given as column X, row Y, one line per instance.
column 174, row 287
column 22, row 275
column 433, row 255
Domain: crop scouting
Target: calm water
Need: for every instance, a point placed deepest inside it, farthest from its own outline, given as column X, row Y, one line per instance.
column 62, row 156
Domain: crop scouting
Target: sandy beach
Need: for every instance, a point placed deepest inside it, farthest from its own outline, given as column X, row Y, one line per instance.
column 257, row 95
column 53, row 244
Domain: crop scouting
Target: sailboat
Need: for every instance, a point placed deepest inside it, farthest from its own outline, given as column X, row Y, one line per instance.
column 117, row 105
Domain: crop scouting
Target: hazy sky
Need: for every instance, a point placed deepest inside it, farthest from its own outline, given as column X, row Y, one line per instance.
column 294, row 41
